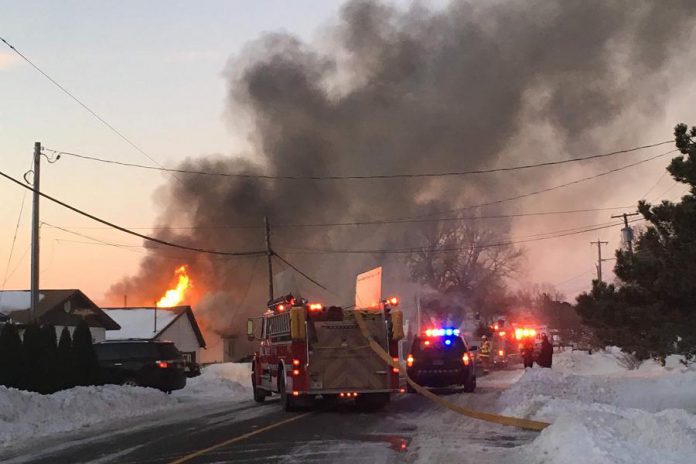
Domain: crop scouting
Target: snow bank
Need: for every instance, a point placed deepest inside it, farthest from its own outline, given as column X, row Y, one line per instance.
column 26, row 415
column 603, row 413
column 227, row 381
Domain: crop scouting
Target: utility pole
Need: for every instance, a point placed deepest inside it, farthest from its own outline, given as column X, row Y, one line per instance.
column 269, row 255
column 36, row 184
column 627, row 231
column 599, row 257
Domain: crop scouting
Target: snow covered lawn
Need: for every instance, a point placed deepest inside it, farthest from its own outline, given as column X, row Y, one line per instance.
column 26, row 415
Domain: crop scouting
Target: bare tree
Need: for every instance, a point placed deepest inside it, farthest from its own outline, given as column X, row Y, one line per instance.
column 464, row 259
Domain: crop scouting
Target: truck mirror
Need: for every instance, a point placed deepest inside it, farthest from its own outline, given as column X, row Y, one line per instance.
column 250, row 329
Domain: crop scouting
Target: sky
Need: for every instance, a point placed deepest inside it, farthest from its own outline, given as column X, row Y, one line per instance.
column 154, row 70
column 151, row 69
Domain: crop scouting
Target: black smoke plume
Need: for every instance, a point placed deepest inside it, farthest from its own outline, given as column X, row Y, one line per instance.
column 386, row 90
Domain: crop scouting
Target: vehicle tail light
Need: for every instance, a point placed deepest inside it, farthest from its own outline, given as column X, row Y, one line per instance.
column 295, row 393
column 162, row 364
column 316, row 307
column 395, row 370
column 409, row 360
column 426, row 343
column 295, row 362
column 466, row 359
column 295, row 372
column 501, row 353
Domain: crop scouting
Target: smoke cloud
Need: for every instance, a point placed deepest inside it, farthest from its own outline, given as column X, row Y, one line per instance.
column 471, row 85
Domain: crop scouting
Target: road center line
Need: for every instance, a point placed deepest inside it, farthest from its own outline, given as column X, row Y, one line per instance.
column 188, row 457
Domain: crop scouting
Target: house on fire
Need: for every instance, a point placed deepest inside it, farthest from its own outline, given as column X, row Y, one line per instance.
column 177, row 324
column 60, row 308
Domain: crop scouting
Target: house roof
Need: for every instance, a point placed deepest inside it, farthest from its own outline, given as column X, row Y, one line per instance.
column 140, row 322
column 53, row 308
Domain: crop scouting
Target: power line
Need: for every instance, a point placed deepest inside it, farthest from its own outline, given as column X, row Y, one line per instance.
column 373, row 222
column 556, row 187
column 358, row 177
column 128, row 231
column 429, row 217
column 14, row 240
column 448, row 249
column 645, row 195
column 300, row 272
column 82, row 104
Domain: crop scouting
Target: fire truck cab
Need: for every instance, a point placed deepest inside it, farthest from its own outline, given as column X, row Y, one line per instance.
column 308, row 350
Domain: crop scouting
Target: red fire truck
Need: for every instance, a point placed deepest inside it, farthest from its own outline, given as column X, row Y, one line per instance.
column 308, row 350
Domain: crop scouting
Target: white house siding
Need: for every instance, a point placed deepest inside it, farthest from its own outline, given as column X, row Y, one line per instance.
column 183, row 336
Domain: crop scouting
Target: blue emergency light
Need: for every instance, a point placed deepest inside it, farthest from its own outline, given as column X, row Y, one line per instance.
column 449, row 331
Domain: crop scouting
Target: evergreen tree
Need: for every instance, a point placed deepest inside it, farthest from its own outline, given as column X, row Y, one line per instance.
column 84, row 357
column 11, row 356
column 48, row 360
column 32, row 352
column 651, row 312
column 65, row 360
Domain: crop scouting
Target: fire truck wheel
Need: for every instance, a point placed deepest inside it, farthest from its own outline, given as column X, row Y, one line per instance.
column 287, row 401
column 259, row 395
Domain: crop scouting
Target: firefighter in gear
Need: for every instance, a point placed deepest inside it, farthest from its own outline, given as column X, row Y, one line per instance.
column 545, row 357
column 485, row 354
column 528, row 352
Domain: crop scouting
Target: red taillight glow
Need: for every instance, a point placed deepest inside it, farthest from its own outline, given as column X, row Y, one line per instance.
column 394, row 301
column 162, row 364
column 295, row 372
column 402, row 390
column 501, row 333
column 295, row 393
column 395, row 370
column 501, row 353
column 316, row 307
column 295, row 362
column 281, row 308
column 409, row 360
column 426, row 343
column 466, row 359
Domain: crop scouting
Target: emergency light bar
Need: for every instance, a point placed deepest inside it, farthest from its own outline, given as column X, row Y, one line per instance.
column 441, row 332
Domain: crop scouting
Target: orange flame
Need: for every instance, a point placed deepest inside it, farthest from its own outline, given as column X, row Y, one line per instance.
column 174, row 296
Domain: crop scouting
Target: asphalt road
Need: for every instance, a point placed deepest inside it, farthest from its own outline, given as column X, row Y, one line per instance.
column 251, row 433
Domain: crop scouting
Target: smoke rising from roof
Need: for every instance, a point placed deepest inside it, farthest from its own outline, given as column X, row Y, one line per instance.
column 471, row 85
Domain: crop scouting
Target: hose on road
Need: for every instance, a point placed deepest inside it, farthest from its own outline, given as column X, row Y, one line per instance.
column 518, row 422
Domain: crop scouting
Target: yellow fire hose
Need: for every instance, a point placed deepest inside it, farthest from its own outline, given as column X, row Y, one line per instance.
column 526, row 424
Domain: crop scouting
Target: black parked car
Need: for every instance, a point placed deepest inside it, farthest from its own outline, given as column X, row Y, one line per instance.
column 143, row 363
column 441, row 358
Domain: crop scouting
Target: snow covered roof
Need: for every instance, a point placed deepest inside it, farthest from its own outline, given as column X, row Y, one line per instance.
column 140, row 322
column 65, row 307
column 16, row 300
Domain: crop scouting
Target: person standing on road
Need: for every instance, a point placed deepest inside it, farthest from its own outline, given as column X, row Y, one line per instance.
column 485, row 354
column 546, row 353
column 528, row 352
